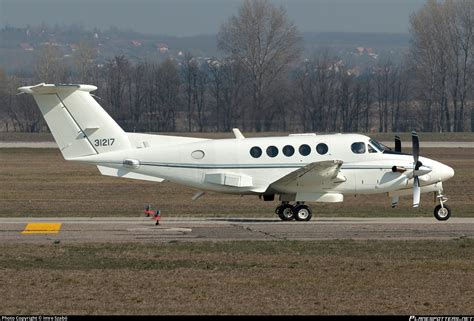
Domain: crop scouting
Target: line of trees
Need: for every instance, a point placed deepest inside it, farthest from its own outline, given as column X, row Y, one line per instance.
column 262, row 82
column 442, row 53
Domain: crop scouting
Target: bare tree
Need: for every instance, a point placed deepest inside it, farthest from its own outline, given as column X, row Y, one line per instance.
column 367, row 81
column 22, row 111
column 262, row 39
column 117, row 77
column 423, row 58
column 167, row 87
column 189, row 72
column 84, row 62
column 200, row 97
column 382, row 82
column 233, row 89
column 316, row 80
column 216, row 73
column 442, row 54
column 460, row 23
column 4, row 96
column 49, row 66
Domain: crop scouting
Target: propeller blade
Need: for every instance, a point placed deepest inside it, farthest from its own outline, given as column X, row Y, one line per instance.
column 395, row 200
column 416, row 148
column 398, row 144
column 416, row 191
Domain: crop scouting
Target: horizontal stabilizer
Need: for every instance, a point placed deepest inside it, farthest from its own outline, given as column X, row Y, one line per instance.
column 45, row 89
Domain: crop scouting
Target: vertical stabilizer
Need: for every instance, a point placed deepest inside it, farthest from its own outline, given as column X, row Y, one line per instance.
column 80, row 126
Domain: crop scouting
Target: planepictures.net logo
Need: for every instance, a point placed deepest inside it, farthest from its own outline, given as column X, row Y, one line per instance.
column 444, row 318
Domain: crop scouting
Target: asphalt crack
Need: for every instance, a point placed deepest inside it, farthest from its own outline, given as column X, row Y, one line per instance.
column 248, row 228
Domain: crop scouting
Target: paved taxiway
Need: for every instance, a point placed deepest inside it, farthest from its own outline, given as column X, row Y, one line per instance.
column 142, row 229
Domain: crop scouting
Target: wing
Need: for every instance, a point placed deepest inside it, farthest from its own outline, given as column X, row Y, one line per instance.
column 317, row 173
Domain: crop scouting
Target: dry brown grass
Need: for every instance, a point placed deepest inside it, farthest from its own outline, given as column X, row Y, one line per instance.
column 39, row 182
column 331, row 277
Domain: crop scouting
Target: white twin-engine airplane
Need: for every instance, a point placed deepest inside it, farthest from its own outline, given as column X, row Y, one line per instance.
column 298, row 168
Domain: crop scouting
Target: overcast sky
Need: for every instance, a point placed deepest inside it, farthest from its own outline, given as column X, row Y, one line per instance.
column 192, row 17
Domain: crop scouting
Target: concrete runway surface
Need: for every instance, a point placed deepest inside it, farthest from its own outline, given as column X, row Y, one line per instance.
column 143, row 229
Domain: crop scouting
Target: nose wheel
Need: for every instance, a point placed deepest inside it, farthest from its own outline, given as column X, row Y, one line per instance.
column 442, row 212
column 298, row 212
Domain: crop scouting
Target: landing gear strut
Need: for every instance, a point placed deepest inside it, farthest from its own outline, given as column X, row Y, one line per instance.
column 442, row 212
column 299, row 211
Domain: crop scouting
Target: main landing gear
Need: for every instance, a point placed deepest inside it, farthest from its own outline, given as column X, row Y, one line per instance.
column 442, row 212
column 299, row 211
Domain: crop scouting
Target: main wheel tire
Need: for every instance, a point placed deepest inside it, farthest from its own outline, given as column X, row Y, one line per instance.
column 303, row 213
column 286, row 212
column 277, row 209
column 442, row 213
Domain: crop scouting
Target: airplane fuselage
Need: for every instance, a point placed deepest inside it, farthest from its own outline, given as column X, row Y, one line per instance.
column 227, row 165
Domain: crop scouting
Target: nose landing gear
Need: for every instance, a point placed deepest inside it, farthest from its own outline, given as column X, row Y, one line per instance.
column 442, row 212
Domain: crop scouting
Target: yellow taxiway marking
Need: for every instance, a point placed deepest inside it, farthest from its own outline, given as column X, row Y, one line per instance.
column 42, row 228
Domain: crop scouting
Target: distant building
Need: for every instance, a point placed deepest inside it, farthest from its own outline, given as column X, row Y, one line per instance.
column 356, row 71
column 162, row 47
column 136, row 43
column 49, row 43
column 74, row 46
column 26, row 46
column 373, row 55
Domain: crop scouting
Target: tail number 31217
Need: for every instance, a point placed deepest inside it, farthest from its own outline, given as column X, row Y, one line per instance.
column 104, row 142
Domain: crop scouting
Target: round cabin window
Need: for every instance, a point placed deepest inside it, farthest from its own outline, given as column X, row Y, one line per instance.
column 288, row 150
column 322, row 148
column 256, row 152
column 272, row 151
column 305, row 150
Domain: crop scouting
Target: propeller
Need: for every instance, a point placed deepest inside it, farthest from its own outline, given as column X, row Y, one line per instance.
column 416, row 164
column 395, row 200
column 418, row 168
column 398, row 144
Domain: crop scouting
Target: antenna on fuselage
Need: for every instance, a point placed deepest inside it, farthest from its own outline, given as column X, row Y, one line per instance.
column 238, row 133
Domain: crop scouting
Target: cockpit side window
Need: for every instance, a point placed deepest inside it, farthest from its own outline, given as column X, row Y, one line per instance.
column 379, row 146
column 358, row 148
column 371, row 149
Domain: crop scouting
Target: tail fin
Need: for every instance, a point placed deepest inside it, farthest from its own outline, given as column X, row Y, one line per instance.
column 80, row 126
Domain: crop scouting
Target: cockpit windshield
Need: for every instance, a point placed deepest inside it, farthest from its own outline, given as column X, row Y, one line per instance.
column 381, row 147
